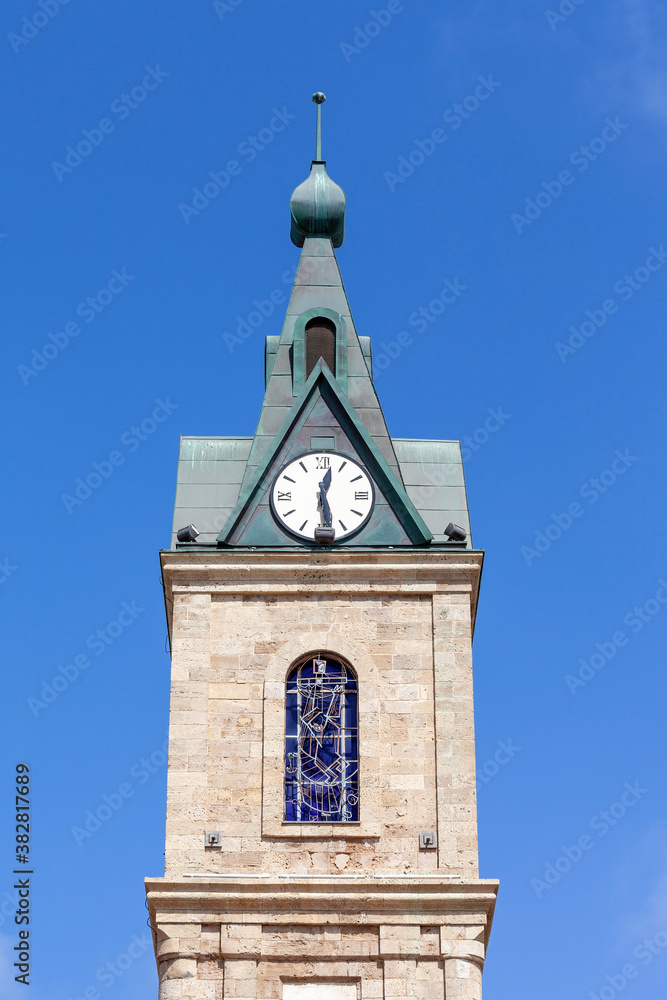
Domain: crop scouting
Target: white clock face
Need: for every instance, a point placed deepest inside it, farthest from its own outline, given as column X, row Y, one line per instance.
column 322, row 489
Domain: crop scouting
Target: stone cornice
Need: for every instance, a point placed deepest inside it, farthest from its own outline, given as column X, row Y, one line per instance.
column 345, row 901
column 307, row 571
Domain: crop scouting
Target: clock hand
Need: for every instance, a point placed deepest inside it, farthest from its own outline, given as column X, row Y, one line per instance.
column 323, row 504
column 322, row 501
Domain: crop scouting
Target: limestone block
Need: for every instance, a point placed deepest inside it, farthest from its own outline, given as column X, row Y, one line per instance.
column 463, row 980
column 232, row 692
column 400, row 939
column 430, row 980
column 240, row 980
column 430, row 941
column 210, row 939
column 372, row 989
column 181, row 968
column 406, row 781
column 210, row 989
column 174, row 989
column 400, row 979
column 187, row 779
column 168, row 945
column 240, row 939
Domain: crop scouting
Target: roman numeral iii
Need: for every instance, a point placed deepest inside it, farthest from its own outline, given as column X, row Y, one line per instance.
column 361, row 496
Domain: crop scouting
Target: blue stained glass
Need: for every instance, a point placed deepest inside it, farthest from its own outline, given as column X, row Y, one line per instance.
column 321, row 755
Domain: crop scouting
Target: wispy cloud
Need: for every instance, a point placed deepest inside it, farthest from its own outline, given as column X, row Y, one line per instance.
column 636, row 73
column 645, row 870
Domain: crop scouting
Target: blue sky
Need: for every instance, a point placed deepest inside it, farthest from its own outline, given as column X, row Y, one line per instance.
column 541, row 199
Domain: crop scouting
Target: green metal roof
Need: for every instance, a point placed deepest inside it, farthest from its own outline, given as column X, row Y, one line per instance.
column 210, row 472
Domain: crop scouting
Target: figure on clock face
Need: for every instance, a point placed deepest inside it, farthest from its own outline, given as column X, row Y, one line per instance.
column 322, row 496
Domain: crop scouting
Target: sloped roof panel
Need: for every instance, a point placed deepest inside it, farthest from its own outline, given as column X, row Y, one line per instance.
column 433, row 476
column 210, row 472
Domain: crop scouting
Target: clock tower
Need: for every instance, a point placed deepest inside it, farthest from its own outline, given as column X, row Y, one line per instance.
column 321, row 820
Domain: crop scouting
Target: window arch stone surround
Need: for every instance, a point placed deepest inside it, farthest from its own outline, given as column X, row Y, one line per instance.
column 278, row 668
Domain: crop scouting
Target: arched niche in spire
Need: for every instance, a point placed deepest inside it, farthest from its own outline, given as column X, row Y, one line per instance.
column 307, row 327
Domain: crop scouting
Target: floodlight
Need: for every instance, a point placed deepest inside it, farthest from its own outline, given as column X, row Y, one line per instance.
column 454, row 533
column 188, row 534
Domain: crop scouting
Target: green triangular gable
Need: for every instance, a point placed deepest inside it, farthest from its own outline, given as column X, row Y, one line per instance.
column 322, row 407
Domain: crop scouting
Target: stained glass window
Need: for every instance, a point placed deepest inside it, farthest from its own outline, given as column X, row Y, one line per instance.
column 321, row 743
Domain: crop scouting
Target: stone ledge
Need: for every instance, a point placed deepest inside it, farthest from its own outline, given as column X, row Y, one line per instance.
column 336, row 902
column 344, row 571
column 306, row 921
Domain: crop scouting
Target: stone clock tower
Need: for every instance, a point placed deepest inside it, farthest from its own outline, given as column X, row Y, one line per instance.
column 321, row 823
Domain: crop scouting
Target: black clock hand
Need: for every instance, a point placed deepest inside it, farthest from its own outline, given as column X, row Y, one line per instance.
column 326, row 510
column 326, row 482
column 323, row 504
column 322, row 498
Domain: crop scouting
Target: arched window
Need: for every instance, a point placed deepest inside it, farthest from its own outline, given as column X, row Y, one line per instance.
column 320, row 343
column 321, row 742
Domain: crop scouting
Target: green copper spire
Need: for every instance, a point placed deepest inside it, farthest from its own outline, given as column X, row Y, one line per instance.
column 318, row 205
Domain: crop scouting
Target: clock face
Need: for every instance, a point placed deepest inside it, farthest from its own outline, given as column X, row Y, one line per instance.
column 322, row 489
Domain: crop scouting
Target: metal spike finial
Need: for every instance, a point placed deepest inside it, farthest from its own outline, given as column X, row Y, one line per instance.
column 319, row 99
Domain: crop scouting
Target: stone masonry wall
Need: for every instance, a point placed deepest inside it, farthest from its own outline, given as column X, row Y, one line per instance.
column 417, row 739
column 333, row 962
column 332, row 911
